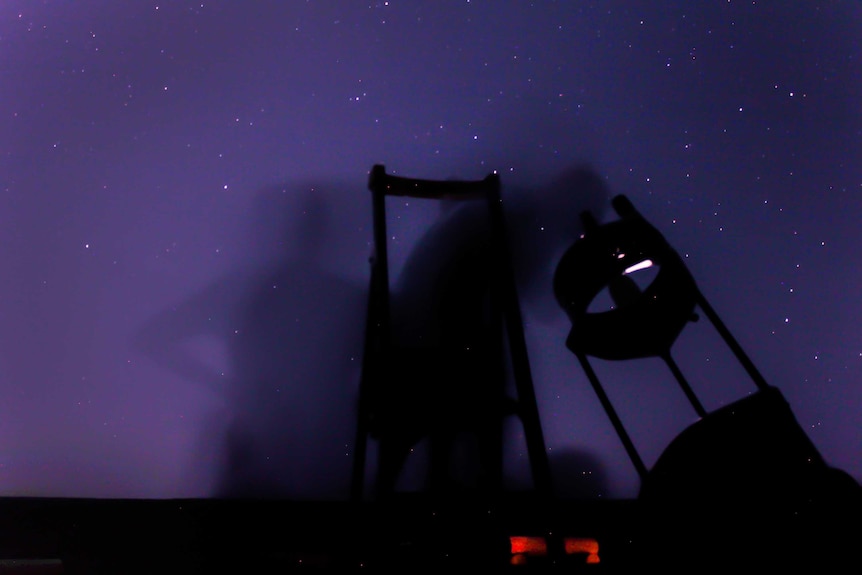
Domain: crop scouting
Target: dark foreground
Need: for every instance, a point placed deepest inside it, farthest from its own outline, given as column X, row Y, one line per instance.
column 519, row 535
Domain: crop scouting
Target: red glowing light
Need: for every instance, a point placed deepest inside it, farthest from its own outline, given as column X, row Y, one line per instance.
column 524, row 546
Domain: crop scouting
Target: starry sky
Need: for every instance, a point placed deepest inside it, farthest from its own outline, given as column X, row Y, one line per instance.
column 185, row 224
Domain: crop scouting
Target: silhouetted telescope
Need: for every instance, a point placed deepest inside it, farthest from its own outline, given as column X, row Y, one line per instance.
column 748, row 461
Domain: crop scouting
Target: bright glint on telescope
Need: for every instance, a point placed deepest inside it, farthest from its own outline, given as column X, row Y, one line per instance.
column 642, row 265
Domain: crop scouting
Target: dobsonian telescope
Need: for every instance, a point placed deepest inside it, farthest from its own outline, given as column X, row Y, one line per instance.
column 744, row 482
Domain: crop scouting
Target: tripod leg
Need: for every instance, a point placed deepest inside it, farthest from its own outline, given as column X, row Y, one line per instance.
column 612, row 415
column 686, row 388
column 731, row 342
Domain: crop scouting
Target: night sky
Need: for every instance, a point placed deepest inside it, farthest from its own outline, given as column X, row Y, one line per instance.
column 185, row 224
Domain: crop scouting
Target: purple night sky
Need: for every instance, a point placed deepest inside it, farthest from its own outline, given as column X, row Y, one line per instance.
column 185, row 223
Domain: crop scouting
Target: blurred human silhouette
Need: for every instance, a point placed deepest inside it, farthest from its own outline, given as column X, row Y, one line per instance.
column 447, row 384
column 292, row 331
column 448, row 344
